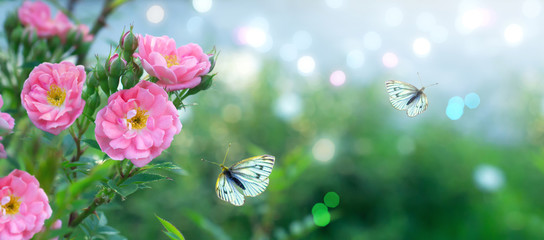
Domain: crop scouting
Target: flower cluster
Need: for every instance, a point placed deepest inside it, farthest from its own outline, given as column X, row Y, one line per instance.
column 36, row 16
column 138, row 122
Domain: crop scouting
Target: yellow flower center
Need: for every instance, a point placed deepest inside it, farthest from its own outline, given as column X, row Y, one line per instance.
column 138, row 120
column 171, row 60
column 12, row 206
column 56, row 95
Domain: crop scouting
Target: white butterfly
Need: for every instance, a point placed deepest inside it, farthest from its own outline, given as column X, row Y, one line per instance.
column 250, row 175
column 405, row 96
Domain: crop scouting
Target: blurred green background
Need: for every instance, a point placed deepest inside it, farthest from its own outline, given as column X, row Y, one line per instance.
column 429, row 177
column 428, row 181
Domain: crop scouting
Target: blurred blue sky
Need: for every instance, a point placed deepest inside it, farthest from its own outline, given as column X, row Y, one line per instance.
column 491, row 48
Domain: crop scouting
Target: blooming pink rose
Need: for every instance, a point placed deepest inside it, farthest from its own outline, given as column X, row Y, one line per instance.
column 84, row 31
column 6, row 125
column 52, row 95
column 24, row 206
column 175, row 68
column 137, row 124
column 37, row 16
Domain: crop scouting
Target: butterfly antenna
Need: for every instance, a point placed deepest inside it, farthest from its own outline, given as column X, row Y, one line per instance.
column 214, row 163
column 228, row 148
column 420, row 81
column 431, row 85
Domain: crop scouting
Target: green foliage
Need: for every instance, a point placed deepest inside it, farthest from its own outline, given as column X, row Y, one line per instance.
column 171, row 231
column 95, row 227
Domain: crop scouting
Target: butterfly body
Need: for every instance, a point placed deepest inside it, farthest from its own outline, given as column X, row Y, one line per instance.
column 250, row 175
column 418, row 94
column 404, row 96
column 228, row 174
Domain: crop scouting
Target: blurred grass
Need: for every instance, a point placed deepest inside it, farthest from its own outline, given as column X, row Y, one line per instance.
column 394, row 181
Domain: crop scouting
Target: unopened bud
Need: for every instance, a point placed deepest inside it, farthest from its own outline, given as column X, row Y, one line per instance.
column 92, row 103
column 113, row 83
column 116, row 66
column 101, row 75
column 39, row 51
column 15, row 38
column 129, row 42
column 129, row 80
column 11, row 22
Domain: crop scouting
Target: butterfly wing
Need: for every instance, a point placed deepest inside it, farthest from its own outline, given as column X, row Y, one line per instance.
column 400, row 93
column 253, row 173
column 224, row 187
column 418, row 106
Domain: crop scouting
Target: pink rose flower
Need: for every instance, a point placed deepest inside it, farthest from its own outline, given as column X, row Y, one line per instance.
column 52, row 95
column 137, row 124
column 24, row 206
column 84, row 31
column 37, row 16
column 6, row 125
column 176, row 69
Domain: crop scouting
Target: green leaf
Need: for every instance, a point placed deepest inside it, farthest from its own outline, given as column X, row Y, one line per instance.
column 205, row 224
column 167, row 166
column 68, row 145
column 172, row 231
column 144, row 178
column 92, row 143
column 171, row 235
column 123, row 190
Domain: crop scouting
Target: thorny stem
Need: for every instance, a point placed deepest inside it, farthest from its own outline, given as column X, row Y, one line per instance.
column 88, row 211
column 107, row 9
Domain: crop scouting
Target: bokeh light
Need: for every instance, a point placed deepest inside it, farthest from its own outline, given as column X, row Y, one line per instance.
column 296, row 228
column 288, row 106
column 513, row 34
column 472, row 100
column 155, row 14
column 337, row 78
column 331, row 199
column 390, row 60
column 393, row 17
column 488, row 178
column 334, row 3
column 321, row 215
column 421, row 47
column 355, row 59
column 473, row 19
column 202, row 6
column 372, row 41
column 323, row 150
column 252, row 36
column 455, row 107
column 306, row 65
